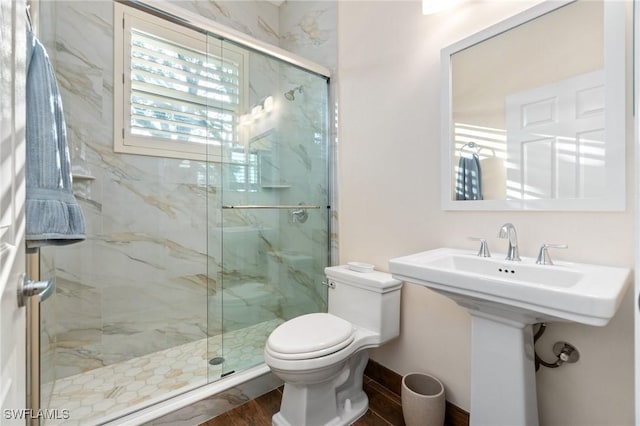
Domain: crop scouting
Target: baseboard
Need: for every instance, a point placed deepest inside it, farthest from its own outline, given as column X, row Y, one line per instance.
column 454, row 415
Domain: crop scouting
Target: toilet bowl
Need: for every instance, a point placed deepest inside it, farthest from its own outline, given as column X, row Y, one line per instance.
column 321, row 357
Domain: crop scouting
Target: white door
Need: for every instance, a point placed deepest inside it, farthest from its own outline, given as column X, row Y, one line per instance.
column 555, row 135
column 12, row 194
column 636, row 139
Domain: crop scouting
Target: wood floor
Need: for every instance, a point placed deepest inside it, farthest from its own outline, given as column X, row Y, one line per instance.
column 384, row 409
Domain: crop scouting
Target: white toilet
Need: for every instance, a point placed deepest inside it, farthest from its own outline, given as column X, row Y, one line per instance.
column 321, row 357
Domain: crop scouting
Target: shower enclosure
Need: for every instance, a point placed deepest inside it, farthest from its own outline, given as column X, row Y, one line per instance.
column 189, row 263
column 269, row 224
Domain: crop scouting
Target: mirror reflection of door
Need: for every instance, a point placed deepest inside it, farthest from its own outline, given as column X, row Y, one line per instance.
column 555, row 137
column 529, row 94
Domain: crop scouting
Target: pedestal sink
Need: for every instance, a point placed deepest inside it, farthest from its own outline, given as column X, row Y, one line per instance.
column 504, row 299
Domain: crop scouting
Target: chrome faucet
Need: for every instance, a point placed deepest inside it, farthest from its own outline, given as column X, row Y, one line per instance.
column 509, row 231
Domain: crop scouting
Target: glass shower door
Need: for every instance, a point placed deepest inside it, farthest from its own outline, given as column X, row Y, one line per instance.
column 272, row 220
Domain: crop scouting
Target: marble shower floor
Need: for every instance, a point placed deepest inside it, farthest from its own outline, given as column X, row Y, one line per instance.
column 118, row 389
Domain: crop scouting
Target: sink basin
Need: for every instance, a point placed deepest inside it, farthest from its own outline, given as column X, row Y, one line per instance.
column 524, row 291
column 504, row 298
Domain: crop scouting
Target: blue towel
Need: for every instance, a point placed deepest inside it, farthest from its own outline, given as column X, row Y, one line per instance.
column 469, row 178
column 53, row 216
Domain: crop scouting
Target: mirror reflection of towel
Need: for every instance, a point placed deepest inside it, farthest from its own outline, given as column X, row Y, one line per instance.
column 469, row 178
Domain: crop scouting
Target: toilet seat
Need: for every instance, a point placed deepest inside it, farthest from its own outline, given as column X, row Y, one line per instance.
column 310, row 336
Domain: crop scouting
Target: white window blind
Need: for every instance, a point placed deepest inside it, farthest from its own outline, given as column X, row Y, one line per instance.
column 182, row 93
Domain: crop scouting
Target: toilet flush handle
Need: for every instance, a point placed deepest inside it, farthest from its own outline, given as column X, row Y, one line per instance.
column 330, row 284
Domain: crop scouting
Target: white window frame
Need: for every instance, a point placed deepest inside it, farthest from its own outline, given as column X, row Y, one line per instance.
column 124, row 141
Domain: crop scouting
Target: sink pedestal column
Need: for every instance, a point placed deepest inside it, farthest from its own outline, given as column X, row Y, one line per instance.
column 503, row 381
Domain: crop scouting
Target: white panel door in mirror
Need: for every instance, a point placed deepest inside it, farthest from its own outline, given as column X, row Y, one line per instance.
column 556, row 140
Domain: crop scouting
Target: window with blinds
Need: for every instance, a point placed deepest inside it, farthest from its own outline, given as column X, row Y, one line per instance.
column 182, row 93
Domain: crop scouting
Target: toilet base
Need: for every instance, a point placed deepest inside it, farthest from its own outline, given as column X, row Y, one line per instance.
column 345, row 418
column 339, row 401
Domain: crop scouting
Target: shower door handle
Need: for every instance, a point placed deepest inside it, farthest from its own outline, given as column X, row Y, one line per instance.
column 28, row 288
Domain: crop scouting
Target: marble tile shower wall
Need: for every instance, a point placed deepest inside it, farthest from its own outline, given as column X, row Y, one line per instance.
column 308, row 28
column 139, row 282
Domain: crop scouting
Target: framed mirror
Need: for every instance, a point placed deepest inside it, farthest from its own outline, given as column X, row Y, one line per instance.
column 533, row 111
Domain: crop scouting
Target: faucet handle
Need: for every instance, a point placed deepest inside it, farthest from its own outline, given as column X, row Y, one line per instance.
column 543, row 256
column 484, row 247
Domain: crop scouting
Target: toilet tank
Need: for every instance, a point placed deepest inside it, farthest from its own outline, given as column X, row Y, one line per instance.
column 370, row 300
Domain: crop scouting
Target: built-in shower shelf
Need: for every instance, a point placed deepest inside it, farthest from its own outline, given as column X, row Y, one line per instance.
column 79, row 177
column 276, row 186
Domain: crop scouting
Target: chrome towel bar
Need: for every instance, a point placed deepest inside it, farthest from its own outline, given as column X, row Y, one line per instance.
column 260, row 206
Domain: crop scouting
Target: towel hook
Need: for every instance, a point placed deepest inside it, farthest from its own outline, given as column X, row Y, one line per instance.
column 477, row 148
column 472, row 145
column 29, row 21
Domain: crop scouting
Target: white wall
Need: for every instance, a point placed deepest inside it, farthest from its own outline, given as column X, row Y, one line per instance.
column 389, row 205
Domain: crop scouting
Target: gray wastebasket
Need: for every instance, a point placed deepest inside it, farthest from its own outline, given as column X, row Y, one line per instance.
column 423, row 400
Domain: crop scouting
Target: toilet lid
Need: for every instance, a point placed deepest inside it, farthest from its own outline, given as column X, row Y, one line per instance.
column 310, row 336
